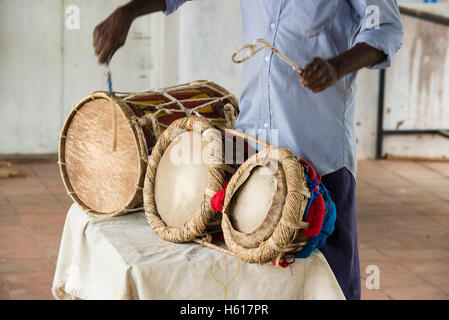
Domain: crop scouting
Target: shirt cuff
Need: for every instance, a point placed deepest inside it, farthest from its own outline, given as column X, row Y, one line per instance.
column 172, row 5
column 381, row 41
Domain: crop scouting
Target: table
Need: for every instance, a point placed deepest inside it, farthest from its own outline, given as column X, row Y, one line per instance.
column 122, row 258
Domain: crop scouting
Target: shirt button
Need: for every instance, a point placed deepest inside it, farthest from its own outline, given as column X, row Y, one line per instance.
column 265, row 125
column 272, row 26
column 267, row 58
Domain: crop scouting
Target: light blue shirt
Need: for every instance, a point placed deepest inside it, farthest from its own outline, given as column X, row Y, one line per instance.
column 318, row 127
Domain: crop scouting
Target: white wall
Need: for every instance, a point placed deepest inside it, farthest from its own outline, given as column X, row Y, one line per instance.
column 417, row 91
column 30, row 78
column 197, row 42
column 46, row 68
column 366, row 113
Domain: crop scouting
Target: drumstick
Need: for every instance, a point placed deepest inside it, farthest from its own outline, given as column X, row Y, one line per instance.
column 254, row 48
column 109, row 78
column 114, row 117
column 244, row 136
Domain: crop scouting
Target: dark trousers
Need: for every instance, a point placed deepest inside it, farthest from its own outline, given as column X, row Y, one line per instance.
column 341, row 249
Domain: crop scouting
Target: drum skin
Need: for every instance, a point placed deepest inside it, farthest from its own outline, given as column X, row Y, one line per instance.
column 257, row 205
column 253, row 200
column 104, row 179
column 181, row 179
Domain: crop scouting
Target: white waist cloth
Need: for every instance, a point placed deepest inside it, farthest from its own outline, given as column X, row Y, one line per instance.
column 122, row 258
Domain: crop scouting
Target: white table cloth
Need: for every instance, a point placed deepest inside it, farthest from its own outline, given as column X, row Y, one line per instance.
column 122, row 258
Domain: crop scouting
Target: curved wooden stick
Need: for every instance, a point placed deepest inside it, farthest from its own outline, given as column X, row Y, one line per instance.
column 257, row 46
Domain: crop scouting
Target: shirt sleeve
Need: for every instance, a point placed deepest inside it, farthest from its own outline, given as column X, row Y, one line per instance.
column 172, row 6
column 381, row 27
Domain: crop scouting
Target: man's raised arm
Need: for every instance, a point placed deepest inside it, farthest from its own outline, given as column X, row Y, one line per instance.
column 111, row 34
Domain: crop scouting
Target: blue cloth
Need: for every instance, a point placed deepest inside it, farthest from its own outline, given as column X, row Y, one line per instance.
column 316, row 126
column 327, row 228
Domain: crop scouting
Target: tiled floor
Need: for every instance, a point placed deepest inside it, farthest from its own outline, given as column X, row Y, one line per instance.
column 403, row 221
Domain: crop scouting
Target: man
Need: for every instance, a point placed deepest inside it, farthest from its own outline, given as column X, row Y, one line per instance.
column 316, row 119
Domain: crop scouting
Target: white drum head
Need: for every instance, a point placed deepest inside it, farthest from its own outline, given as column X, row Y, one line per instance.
column 257, row 205
column 254, row 200
column 181, row 179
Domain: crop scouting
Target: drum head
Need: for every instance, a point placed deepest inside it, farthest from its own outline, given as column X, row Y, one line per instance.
column 102, row 178
column 181, row 179
column 257, row 205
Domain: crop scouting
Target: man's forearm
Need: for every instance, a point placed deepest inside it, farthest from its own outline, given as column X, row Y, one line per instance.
column 111, row 34
column 137, row 8
column 320, row 74
column 360, row 56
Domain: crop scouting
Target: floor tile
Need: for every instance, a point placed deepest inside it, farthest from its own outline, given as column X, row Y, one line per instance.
column 425, row 292
column 33, row 199
column 4, row 294
column 19, row 186
column 441, row 219
column 374, row 294
column 8, row 215
column 19, row 280
column 32, row 292
column 16, row 242
column 408, row 254
column 26, row 265
column 427, row 266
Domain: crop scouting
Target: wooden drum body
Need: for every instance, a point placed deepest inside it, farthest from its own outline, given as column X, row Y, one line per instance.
column 106, row 140
column 264, row 206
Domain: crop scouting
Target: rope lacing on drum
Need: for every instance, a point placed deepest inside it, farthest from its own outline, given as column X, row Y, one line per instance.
column 160, row 108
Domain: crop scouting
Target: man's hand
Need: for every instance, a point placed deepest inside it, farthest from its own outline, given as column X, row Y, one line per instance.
column 111, row 34
column 319, row 75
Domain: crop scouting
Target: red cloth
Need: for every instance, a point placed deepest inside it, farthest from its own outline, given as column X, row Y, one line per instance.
column 217, row 200
column 315, row 216
column 283, row 263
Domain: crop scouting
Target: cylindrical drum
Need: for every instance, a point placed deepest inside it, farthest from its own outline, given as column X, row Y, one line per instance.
column 264, row 206
column 106, row 140
column 186, row 169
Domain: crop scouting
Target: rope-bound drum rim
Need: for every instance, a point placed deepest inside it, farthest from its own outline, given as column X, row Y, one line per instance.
column 119, row 105
column 202, row 216
column 283, row 238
